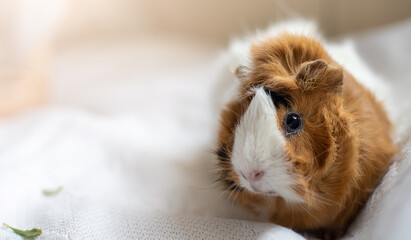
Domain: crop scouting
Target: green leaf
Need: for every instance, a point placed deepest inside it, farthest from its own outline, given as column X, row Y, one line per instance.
column 53, row 192
column 26, row 233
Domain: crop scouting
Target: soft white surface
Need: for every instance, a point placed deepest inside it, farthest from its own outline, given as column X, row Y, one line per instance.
column 129, row 135
column 116, row 185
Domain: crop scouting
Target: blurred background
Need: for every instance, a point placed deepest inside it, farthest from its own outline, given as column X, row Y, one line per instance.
column 100, row 54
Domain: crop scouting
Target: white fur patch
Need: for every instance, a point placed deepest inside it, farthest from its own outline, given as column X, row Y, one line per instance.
column 259, row 146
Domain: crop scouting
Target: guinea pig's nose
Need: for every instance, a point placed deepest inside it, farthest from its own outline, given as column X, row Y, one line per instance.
column 253, row 176
column 257, row 175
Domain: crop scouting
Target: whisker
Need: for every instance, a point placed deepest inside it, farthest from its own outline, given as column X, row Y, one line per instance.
column 309, row 213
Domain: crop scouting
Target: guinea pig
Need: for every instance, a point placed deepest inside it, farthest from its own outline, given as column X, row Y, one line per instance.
column 302, row 143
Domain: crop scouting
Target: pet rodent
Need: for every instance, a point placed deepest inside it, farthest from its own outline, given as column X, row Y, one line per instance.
column 303, row 142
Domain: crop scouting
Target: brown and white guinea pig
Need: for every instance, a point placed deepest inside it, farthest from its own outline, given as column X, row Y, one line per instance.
column 302, row 142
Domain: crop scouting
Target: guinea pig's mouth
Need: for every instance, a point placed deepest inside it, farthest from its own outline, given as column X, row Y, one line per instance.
column 270, row 193
column 258, row 191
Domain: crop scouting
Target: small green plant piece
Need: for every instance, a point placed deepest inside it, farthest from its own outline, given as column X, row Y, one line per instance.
column 35, row 232
column 53, row 192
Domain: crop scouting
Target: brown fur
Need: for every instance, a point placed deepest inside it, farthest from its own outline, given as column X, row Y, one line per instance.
column 343, row 149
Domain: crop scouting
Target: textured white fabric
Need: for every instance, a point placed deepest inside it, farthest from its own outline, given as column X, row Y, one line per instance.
column 134, row 156
column 159, row 226
column 113, row 189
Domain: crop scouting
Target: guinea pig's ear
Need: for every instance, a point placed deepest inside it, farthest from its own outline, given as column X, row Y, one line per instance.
column 318, row 75
column 241, row 72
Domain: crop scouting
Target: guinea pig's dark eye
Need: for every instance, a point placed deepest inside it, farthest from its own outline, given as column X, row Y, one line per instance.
column 292, row 123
